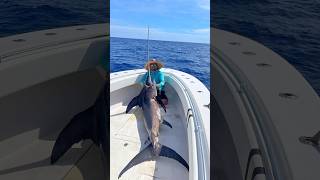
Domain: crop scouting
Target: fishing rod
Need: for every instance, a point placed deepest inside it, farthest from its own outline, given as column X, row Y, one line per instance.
column 148, row 45
column 149, row 69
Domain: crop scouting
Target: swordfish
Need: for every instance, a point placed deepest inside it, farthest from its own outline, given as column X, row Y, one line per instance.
column 151, row 111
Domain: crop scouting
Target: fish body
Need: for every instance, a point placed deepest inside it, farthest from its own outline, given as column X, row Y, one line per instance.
column 152, row 120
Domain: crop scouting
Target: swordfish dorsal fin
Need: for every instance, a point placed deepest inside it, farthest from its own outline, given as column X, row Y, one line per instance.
column 88, row 124
column 136, row 101
column 76, row 130
column 147, row 155
column 132, row 103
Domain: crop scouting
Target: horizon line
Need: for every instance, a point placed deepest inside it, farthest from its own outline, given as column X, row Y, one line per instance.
column 162, row 40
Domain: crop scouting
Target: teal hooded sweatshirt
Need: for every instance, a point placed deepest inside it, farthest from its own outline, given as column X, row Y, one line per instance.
column 157, row 76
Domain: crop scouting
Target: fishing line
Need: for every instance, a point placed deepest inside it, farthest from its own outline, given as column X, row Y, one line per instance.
column 149, row 69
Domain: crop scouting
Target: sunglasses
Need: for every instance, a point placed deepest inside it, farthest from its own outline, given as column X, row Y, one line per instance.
column 154, row 65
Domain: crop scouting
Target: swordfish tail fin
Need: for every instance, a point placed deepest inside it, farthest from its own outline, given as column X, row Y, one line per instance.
column 147, row 155
column 170, row 153
column 144, row 155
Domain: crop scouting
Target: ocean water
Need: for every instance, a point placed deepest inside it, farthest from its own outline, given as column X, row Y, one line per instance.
column 20, row 16
column 192, row 58
column 291, row 28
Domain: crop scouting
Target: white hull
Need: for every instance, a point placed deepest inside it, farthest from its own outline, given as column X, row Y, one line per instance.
column 128, row 134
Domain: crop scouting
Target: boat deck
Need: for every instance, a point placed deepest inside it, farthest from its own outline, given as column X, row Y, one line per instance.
column 33, row 162
column 31, row 120
column 128, row 138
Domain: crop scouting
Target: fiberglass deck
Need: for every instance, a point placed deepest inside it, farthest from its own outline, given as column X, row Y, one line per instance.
column 128, row 137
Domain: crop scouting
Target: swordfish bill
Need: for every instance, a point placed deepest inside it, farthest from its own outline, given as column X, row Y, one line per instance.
column 151, row 111
column 136, row 101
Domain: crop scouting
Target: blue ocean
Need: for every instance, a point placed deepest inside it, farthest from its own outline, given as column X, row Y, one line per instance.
column 20, row 16
column 192, row 58
column 291, row 28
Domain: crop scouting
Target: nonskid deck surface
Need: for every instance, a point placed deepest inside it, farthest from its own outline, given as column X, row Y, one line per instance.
column 128, row 137
column 33, row 161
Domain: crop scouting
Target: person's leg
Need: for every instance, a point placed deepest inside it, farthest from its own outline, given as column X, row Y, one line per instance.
column 160, row 102
column 158, row 97
column 164, row 97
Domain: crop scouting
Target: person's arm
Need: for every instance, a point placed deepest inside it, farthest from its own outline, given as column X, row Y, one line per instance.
column 161, row 79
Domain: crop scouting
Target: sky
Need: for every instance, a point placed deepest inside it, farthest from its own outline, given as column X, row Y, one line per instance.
column 169, row 20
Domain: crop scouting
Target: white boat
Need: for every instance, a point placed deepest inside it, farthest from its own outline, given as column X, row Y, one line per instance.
column 46, row 78
column 49, row 76
column 262, row 108
column 188, row 112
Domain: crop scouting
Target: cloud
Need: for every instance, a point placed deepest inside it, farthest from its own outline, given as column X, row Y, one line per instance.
column 204, row 4
column 201, row 30
column 196, row 35
column 176, row 20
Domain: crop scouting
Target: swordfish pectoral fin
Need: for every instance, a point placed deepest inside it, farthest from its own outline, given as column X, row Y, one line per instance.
column 134, row 102
column 170, row 153
column 144, row 155
column 166, row 123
